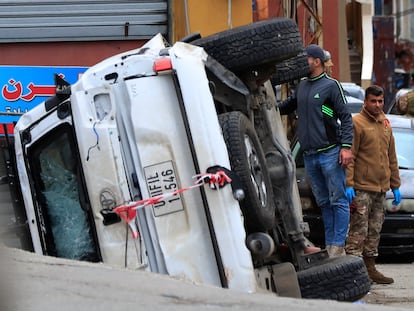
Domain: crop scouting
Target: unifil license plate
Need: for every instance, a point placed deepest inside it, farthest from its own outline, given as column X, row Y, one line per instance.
column 161, row 179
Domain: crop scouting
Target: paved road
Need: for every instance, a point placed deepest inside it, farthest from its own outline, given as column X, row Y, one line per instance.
column 33, row 282
column 401, row 293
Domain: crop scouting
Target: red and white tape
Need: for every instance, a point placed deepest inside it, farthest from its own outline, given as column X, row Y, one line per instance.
column 128, row 211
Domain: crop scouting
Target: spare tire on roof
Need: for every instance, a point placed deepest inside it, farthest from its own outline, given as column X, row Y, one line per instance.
column 265, row 42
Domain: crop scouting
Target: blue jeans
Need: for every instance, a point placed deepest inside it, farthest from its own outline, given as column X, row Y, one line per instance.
column 327, row 179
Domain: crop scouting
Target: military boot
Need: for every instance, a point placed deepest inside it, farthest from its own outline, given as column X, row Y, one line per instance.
column 374, row 275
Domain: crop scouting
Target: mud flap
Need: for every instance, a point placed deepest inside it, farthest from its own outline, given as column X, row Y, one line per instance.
column 285, row 280
column 281, row 279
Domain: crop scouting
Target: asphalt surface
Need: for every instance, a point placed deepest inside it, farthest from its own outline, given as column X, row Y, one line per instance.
column 398, row 294
column 34, row 282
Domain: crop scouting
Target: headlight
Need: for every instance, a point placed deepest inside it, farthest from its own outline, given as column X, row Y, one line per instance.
column 406, row 205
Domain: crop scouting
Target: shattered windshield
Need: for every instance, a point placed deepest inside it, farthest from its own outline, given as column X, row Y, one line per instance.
column 65, row 223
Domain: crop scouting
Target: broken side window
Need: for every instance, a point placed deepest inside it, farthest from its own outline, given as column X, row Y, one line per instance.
column 66, row 221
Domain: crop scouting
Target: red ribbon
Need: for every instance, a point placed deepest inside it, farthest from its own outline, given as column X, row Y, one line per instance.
column 128, row 212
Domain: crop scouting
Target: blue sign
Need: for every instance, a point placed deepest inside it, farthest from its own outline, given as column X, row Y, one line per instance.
column 24, row 87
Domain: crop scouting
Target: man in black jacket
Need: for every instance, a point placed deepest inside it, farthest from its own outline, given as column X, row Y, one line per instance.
column 325, row 133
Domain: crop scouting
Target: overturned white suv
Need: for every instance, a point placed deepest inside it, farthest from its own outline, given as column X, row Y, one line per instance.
column 174, row 159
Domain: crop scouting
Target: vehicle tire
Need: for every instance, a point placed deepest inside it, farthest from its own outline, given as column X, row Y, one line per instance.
column 342, row 278
column 268, row 41
column 291, row 69
column 247, row 160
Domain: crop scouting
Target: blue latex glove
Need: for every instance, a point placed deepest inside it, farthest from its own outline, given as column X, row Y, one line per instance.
column 350, row 194
column 397, row 197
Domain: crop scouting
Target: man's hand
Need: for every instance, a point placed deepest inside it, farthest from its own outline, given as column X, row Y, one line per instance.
column 345, row 157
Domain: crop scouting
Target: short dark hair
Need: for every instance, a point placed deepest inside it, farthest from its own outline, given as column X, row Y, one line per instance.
column 374, row 90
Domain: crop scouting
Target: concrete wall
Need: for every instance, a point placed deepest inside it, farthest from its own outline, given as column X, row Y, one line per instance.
column 83, row 54
column 335, row 37
column 208, row 17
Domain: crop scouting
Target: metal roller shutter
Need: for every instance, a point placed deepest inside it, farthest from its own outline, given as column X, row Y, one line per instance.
column 81, row 20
